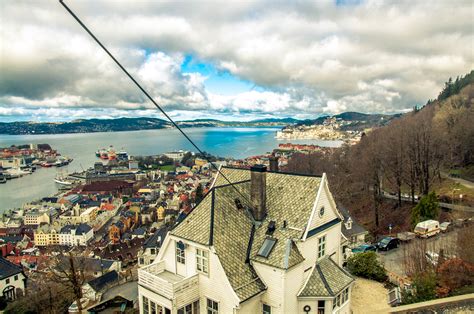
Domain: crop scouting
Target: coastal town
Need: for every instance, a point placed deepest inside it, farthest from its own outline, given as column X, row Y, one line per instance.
column 330, row 129
column 116, row 213
column 237, row 157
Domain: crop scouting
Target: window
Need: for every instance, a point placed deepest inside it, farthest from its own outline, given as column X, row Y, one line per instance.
column 321, row 306
column 7, row 281
column 180, row 256
column 142, row 261
column 16, row 277
column 321, row 212
column 321, row 246
column 153, row 307
column 345, row 296
column 153, row 251
column 341, row 298
column 202, row 261
column 212, row 307
column 191, row 308
column 145, row 305
column 267, row 247
column 267, row 309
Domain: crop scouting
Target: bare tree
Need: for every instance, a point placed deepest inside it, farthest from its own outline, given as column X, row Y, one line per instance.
column 68, row 271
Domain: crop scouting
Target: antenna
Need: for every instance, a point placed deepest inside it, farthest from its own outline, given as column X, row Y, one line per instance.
column 151, row 99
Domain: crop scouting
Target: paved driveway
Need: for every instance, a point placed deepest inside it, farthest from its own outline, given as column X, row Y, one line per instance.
column 394, row 260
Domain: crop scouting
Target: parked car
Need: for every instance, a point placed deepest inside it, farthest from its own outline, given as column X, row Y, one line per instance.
column 388, row 243
column 405, row 236
column 364, row 248
column 445, row 226
column 427, row 228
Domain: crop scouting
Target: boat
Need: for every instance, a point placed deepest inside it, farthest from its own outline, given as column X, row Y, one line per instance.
column 62, row 161
column 16, row 173
column 3, row 179
column 108, row 154
column 62, row 180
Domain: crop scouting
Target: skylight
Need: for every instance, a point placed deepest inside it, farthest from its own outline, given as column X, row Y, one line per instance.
column 267, row 247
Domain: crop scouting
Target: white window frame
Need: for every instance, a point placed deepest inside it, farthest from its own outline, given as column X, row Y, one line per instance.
column 321, row 246
column 202, row 261
column 180, row 255
column 146, row 305
column 341, row 299
column 211, row 309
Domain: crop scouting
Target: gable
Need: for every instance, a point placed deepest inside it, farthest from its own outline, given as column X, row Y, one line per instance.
column 321, row 218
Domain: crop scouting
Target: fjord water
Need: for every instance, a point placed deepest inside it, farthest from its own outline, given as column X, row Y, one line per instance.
column 224, row 142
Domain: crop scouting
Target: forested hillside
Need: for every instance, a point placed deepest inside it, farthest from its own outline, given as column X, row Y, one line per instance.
column 407, row 156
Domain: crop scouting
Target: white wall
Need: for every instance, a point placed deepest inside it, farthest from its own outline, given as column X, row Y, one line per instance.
column 19, row 283
column 274, row 278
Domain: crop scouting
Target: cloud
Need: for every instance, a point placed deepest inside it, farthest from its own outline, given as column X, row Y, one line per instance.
column 306, row 57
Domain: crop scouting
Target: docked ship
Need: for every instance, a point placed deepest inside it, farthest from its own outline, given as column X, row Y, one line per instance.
column 62, row 181
column 110, row 154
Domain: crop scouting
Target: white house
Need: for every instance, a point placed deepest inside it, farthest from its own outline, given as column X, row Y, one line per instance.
column 151, row 247
column 268, row 243
column 12, row 280
column 76, row 235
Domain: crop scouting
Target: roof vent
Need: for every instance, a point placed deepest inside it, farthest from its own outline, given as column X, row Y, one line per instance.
column 238, row 203
column 271, row 227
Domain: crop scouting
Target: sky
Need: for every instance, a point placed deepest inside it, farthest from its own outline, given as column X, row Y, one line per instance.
column 230, row 60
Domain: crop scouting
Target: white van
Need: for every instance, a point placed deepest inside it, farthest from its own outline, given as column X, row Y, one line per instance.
column 427, row 228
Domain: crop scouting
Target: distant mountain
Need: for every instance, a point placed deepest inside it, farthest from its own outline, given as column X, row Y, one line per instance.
column 126, row 124
column 83, row 126
column 359, row 121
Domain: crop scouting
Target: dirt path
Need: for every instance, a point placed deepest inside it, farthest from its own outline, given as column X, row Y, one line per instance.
column 369, row 296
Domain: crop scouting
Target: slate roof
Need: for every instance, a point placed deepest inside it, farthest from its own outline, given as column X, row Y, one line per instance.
column 152, row 242
column 217, row 221
column 8, row 269
column 327, row 279
column 99, row 283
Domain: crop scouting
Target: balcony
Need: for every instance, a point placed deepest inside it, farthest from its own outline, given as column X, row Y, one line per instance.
column 180, row 290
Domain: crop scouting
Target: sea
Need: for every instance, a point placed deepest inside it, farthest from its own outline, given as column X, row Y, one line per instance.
column 223, row 142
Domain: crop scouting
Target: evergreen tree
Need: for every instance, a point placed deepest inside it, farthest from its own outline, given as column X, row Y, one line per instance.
column 427, row 208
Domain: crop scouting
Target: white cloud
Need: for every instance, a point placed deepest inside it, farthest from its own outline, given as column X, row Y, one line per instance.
column 309, row 57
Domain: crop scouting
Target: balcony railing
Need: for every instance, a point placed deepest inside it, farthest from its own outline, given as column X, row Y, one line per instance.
column 180, row 290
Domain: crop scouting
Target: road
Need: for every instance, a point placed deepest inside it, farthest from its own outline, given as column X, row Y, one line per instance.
column 443, row 205
column 466, row 183
column 394, row 260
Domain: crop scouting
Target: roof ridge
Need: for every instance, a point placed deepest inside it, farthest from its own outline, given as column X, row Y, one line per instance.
column 323, row 278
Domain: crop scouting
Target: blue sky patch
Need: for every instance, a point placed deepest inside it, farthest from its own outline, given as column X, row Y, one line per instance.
column 218, row 81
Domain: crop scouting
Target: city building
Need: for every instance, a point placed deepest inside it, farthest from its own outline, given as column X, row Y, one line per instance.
column 46, row 235
column 76, row 235
column 268, row 243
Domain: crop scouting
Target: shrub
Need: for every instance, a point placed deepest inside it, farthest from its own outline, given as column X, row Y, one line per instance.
column 456, row 273
column 423, row 289
column 367, row 265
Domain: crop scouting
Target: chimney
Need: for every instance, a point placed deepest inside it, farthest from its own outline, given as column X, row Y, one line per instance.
column 273, row 164
column 258, row 195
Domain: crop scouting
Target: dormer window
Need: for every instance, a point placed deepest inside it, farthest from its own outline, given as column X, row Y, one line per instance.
column 349, row 223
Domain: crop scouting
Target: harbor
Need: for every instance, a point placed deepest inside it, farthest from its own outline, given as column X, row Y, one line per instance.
column 226, row 142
